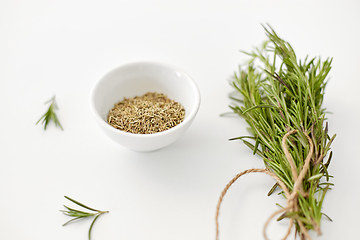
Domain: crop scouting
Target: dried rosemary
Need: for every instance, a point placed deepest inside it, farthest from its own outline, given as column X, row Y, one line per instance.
column 282, row 104
column 147, row 114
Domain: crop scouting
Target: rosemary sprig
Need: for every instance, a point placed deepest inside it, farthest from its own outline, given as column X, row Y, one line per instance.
column 50, row 115
column 276, row 93
column 77, row 214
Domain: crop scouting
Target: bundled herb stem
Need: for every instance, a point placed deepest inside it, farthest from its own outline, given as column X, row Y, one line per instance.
column 77, row 214
column 281, row 97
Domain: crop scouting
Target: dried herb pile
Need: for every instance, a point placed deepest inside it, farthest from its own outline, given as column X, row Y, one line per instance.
column 280, row 97
column 147, row 114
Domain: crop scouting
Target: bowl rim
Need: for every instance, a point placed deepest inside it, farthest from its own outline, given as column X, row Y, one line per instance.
column 107, row 126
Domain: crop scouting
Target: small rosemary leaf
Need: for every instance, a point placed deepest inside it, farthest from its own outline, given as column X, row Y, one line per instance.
column 317, row 176
column 227, row 113
column 252, row 147
column 242, row 137
column 277, row 77
column 273, row 189
column 236, row 87
column 327, row 148
column 328, row 161
column 236, row 99
column 323, row 196
column 282, row 216
column 327, row 217
column 42, row 118
column 265, row 140
column 258, row 106
column 67, row 213
column 326, row 183
column 72, row 220
column 279, row 205
column 50, row 100
column 324, row 169
column 249, row 145
column 237, row 110
column 326, row 128
column 45, row 120
column 256, row 146
column 250, row 54
column 74, row 210
column 80, row 204
column 57, row 122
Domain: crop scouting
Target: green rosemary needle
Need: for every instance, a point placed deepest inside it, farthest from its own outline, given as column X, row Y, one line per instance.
column 277, row 95
column 77, row 214
column 50, row 115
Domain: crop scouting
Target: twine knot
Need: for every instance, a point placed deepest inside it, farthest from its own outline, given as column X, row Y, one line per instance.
column 291, row 196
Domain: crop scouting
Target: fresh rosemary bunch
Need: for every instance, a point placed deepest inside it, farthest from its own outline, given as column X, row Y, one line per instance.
column 281, row 97
column 77, row 214
column 50, row 115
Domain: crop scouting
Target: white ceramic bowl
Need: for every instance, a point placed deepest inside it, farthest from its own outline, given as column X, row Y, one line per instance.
column 136, row 79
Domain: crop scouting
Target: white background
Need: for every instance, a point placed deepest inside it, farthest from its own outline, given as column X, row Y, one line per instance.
column 64, row 47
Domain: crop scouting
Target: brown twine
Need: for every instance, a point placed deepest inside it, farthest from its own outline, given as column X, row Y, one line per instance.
column 292, row 197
